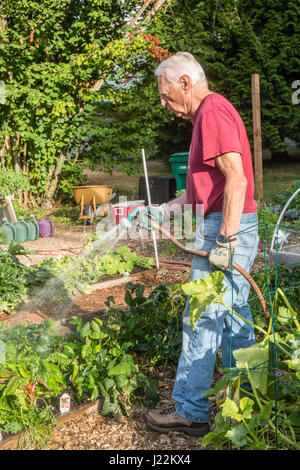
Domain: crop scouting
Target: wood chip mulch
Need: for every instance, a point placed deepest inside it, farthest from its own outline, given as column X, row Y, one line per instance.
column 96, row 432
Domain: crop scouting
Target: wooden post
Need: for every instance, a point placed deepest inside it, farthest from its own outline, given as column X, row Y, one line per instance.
column 7, row 210
column 258, row 166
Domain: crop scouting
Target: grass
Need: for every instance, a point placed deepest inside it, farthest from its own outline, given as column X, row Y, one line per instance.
column 277, row 177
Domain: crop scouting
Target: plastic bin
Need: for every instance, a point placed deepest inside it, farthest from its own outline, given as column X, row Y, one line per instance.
column 179, row 162
column 124, row 209
column 162, row 188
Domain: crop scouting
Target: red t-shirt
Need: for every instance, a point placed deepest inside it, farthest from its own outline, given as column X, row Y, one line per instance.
column 218, row 128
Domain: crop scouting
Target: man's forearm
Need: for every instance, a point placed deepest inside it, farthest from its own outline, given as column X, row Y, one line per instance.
column 234, row 198
column 176, row 206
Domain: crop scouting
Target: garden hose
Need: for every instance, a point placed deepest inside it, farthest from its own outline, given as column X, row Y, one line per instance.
column 141, row 221
column 205, row 254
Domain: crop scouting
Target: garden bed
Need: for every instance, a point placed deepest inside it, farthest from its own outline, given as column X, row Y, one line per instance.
column 98, row 431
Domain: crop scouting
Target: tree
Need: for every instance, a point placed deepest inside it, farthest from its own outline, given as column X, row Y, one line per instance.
column 55, row 57
column 233, row 39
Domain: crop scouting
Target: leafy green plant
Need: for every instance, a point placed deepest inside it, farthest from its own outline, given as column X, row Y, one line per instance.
column 152, row 326
column 14, row 285
column 103, row 367
column 267, row 221
column 30, row 375
column 11, row 181
column 282, row 197
column 269, row 279
column 268, row 415
column 85, row 270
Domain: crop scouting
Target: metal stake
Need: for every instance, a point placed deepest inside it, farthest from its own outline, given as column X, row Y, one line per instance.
column 149, row 203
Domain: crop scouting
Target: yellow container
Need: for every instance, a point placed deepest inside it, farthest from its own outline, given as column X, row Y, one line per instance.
column 99, row 194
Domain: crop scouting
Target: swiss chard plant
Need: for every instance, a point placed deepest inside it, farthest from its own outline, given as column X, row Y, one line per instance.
column 103, row 367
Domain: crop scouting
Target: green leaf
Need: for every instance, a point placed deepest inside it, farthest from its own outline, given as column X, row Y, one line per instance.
column 266, row 410
column 212, row 438
column 246, row 406
column 95, row 330
column 231, row 410
column 204, row 292
column 256, row 358
column 237, row 435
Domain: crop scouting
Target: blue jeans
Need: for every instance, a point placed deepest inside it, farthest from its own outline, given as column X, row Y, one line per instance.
column 217, row 326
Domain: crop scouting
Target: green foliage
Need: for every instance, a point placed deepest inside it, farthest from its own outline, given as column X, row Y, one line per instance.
column 204, row 292
column 81, row 271
column 71, row 175
column 234, row 39
column 252, row 417
column 267, row 221
column 287, row 279
column 102, row 366
column 152, row 326
column 54, row 57
column 282, row 197
column 13, row 277
column 28, row 376
column 11, row 181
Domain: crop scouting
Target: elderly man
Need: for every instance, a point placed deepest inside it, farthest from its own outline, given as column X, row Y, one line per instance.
column 220, row 178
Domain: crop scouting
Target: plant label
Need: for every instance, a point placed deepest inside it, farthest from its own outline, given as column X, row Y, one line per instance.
column 64, row 403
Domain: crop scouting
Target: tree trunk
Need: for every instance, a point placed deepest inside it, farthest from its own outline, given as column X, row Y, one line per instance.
column 17, row 162
column 51, row 187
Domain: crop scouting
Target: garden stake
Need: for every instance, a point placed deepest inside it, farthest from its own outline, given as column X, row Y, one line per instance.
column 149, row 202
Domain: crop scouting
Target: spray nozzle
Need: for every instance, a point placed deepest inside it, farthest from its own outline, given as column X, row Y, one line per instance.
column 140, row 217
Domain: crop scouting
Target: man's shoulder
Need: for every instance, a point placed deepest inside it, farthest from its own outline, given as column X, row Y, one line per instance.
column 219, row 105
column 216, row 101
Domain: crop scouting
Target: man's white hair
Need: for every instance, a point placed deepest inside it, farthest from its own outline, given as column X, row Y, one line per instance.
column 181, row 63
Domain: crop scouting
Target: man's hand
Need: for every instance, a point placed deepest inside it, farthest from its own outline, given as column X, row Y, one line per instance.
column 144, row 215
column 156, row 213
column 220, row 255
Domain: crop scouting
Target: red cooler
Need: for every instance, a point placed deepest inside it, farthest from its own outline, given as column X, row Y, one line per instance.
column 124, row 209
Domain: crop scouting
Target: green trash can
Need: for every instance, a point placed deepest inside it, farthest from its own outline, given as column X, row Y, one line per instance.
column 179, row 162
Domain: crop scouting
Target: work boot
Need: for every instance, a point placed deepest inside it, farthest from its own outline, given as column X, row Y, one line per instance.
column 168, row 420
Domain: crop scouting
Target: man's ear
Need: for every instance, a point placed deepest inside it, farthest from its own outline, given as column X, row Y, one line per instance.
column 185, row 83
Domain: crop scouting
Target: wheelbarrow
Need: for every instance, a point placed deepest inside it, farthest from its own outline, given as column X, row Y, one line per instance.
column 89, row 197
